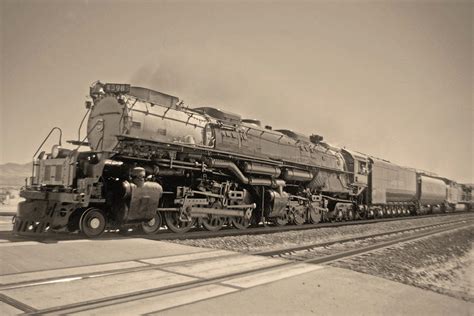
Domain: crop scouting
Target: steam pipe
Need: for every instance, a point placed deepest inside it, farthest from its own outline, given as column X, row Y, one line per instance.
column 229, row 165
column 255, row 168
column 232, row 167
column 297, row 175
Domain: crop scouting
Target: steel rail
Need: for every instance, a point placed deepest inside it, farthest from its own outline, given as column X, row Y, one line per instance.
column 196, row 233
column 381, row 245
column 226, row 232
column 118, row 299
column 128, row 297
column 88, row 275
column 271, row 253
column 289, row 250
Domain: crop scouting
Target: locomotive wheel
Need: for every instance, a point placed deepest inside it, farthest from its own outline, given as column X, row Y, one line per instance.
column 360, row 215
column 175, row 224
column 314, row 216
column 240, row 222
column 281, row 220
column 213, row 223
column 350, row 215
column 298, row 218
column 92, row 223
column 250, row 217
column 152, row 226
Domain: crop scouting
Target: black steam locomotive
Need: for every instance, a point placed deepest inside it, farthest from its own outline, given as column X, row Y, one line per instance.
column 154, row 161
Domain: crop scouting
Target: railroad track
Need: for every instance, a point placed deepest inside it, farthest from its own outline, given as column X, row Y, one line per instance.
column 225, row 232
column 298, row 255
column 273, row 264
column 309, row 253
column 94, row 304
column 200, row 234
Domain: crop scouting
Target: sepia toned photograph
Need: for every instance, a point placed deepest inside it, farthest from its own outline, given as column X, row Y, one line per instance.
column 235, row 157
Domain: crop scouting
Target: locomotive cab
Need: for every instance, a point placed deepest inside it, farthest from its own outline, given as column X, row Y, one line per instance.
column 358, row 165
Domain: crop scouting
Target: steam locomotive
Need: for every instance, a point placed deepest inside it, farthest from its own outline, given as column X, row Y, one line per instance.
column 154, row 161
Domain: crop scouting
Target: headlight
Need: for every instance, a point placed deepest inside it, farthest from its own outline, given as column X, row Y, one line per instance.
column 55, row 151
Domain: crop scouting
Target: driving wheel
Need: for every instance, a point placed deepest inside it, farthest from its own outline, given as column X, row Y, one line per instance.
column 242, row 222
column 213, row 222
column 298, row 217
column 314, row 215
column 175, row 224
column 281, row 220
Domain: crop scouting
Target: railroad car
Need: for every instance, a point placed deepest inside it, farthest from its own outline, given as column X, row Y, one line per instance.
column 393, row 189
column 454, row 195
column 152, row 161
column 432, row 192
column 466, row 195
column 459, row 195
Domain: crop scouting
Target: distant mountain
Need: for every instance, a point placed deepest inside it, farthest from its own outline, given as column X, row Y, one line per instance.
column 14, row 174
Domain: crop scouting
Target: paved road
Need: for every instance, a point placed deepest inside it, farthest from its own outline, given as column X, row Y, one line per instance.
column 328, row 291
column 39, row 276
column 6, row 223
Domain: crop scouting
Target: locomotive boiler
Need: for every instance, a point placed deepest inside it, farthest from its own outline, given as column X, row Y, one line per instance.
column 151, row 161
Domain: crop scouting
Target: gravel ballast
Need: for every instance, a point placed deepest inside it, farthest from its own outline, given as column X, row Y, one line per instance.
column 253, row 243
column 443, row 263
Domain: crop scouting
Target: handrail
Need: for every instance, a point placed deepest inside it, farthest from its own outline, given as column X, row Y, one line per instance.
column 44, row 141
column 88, row 133
column 41, row 146
column 80, row 125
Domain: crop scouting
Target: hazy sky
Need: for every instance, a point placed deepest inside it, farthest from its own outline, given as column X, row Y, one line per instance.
column 393, row 79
